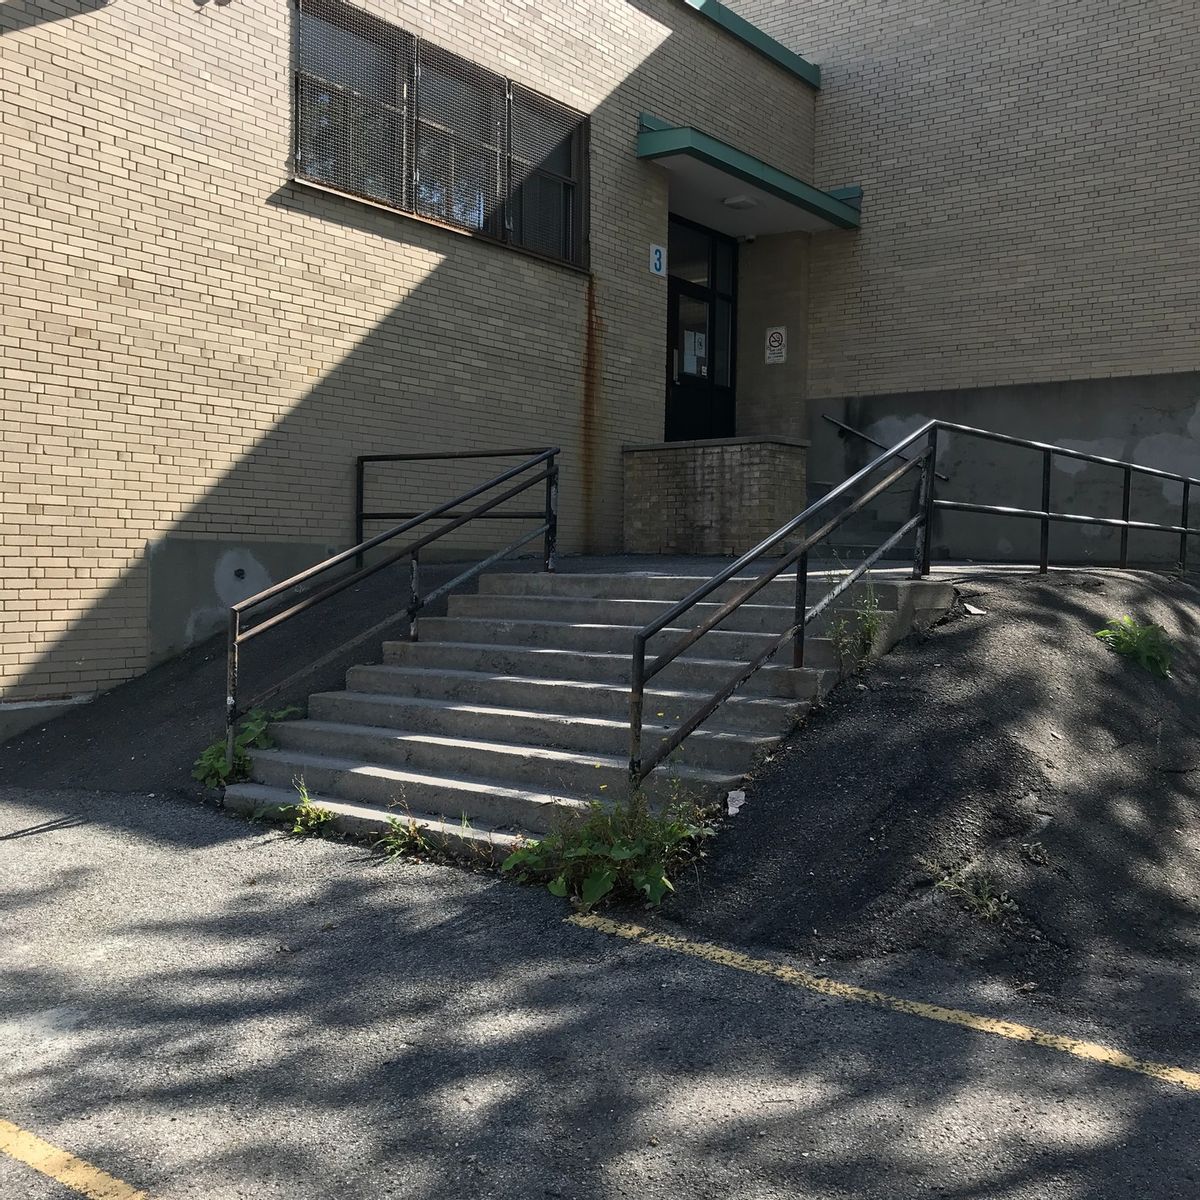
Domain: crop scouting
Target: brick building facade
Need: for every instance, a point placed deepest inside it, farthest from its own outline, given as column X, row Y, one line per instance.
column 198, row 337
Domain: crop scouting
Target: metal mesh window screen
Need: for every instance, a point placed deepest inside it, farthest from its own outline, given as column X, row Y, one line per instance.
column 461, row 120
column 387, row 116
column 353, row 85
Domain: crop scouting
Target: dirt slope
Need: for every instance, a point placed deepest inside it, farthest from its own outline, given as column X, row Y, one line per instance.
column 1011, row 746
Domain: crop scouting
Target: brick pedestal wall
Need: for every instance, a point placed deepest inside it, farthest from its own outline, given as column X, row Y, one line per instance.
column 710, row 497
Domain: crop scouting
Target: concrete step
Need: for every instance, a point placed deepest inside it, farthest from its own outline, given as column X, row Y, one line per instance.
column 909, row 598
column 583, row 610
column 593, row 775
column 398, row 792
column 758, row 714
column 731, row 752
column 512, row 710
column 671, row 588
column 728, row 645
column 463, row 840
column 699, row 674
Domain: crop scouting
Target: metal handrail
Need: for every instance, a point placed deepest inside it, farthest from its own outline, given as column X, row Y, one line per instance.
column 446, row 511
column 361, row 516
column 921, row 523
column 866, row 437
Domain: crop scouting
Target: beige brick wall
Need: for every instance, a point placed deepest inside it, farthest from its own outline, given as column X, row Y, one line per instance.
column 1032, row 207
column 710, row 497
column 773, row 290
column 192, row 347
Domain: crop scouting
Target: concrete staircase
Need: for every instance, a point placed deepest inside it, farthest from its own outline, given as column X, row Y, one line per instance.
column 511, row 712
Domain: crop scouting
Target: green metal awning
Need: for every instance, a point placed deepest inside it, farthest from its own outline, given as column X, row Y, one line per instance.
column 731, row 191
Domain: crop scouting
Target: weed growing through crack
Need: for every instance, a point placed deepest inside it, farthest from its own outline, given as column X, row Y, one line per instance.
column 1147, row 645
column 213, row 771
column 404, row 839
column 854, row 638
column 626, row 851
column 308, row 818
column 978, row 895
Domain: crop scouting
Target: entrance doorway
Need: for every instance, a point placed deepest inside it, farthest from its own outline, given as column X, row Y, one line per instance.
column 701, row 331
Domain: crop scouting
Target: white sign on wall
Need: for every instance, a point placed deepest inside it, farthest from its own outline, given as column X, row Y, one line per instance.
column 658, row 260
column 776, row 347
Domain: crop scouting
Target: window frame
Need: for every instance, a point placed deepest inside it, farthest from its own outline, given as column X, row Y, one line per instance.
column 499, row 228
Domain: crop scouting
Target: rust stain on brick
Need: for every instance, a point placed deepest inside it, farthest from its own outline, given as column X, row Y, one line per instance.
column 589, row 426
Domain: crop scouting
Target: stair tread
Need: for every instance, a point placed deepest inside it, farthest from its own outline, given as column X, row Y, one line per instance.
column 568, row 598
column 670, row 693
column 529, row 714
column 550, row 754
column 606, row 655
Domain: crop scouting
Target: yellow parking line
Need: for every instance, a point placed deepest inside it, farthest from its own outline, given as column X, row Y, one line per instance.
column 62, row 1167
column 1091, row 1051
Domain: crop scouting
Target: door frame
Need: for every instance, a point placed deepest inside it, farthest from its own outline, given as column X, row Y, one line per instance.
column 710, row 295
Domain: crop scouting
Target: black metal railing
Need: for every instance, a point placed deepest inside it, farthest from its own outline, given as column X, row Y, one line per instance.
column 866, row 437
column 925, row 441
column 450, row 512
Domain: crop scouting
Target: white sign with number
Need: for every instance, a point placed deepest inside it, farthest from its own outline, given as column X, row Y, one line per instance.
column 658, row 260
column 776, row 347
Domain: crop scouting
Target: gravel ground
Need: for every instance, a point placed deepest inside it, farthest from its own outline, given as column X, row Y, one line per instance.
column 1012, row 746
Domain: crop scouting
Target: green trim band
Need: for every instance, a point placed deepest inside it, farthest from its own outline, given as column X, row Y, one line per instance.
column 656, row 139
column 754, row 37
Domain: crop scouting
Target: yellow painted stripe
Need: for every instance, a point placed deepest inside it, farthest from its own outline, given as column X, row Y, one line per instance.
column 1091, row 1051
column 62, row 1167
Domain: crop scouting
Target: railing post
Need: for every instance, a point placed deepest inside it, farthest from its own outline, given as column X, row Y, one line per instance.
column 414, row 594
column 924, row 546
column 801, row 610
column 359, row 506
column 231, row 684
column 1183, row 537
column 550, row 546
column 1047, row 464
column 1125, row 517
column 637, row 697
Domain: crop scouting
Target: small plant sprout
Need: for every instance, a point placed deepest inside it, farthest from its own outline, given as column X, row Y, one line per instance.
column 1147, row 645
column 213, row 771
column 977, row 894
column 404, row 839
column 1036, row 853
column 307, row 818
column 854, row 638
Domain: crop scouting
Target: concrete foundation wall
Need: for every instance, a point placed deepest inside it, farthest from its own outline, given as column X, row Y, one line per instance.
column 194, row 347
column 710, row 497
column 1153, row 421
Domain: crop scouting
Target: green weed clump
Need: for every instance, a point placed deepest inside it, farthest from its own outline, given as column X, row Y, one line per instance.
column 211, row 768
column 978, row 895
column 854, row 639
column 1147, row 645
column 308, row 818
column 404, row 839
column 629, row 851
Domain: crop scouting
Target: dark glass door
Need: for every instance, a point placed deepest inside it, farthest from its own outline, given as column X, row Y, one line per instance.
column 701, row 326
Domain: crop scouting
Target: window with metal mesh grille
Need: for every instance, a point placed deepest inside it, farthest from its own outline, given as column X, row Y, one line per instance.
column 393, row 118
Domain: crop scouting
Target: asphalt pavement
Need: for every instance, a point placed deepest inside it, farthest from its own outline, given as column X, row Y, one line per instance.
column 207, row 1009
